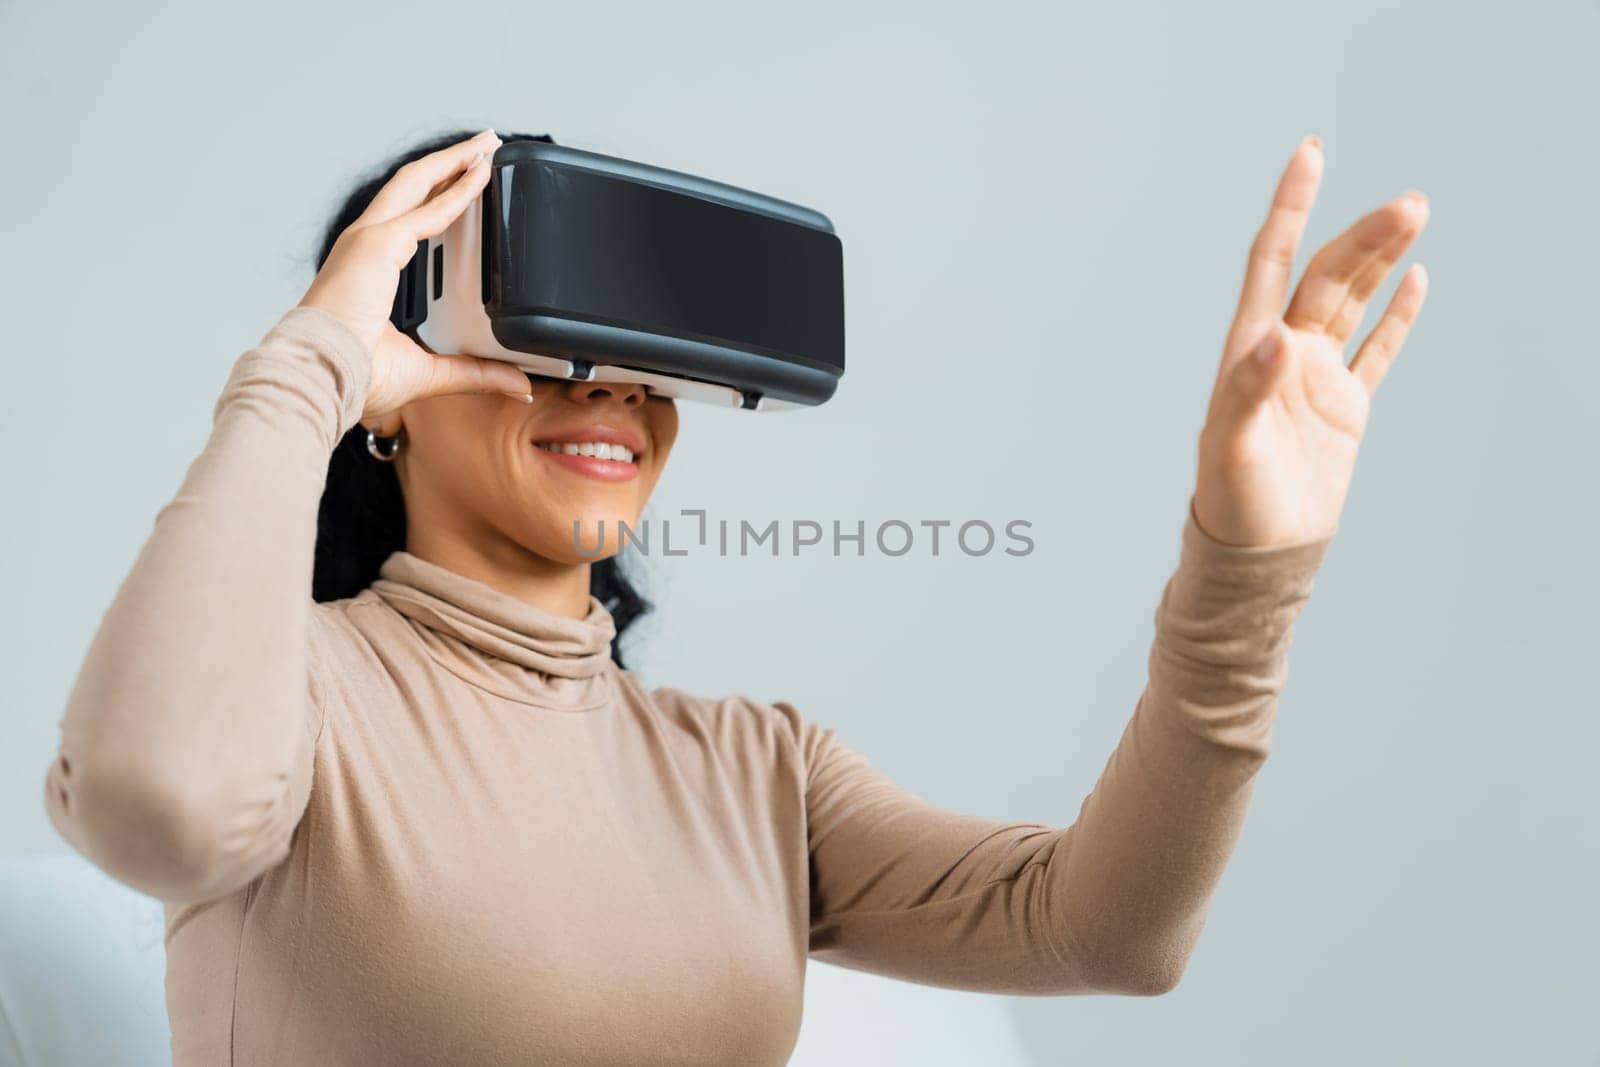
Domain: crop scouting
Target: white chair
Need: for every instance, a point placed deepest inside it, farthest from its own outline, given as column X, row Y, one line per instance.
column 82, row 969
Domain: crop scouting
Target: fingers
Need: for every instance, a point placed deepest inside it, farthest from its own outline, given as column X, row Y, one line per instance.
column 414, row 183
column 472, row 374
column 1252, row 380
column 1266, row 279
column 435, row 216
column 1377, row 353
column 1333, row 271
column 415, row 373
column 395, row 241
column 1350, row 313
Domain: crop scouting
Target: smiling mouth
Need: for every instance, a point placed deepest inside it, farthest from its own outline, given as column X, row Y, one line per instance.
column 592, row 449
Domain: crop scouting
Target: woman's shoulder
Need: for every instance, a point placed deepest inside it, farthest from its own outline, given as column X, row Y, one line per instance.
column 345, row 633
column 728, row 714
column 677, row 701
column 346, row 619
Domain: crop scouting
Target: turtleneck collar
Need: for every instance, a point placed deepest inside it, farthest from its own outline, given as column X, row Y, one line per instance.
column 497, row 642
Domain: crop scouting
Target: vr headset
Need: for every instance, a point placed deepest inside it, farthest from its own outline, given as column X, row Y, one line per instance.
column 580, row 266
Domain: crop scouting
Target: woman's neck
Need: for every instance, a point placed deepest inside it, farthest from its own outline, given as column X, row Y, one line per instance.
column 509, row 567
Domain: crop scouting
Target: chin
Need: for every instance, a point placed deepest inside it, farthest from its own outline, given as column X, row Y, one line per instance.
column 598, row 536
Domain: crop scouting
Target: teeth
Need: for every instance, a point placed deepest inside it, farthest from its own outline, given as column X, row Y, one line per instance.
column 596, row 449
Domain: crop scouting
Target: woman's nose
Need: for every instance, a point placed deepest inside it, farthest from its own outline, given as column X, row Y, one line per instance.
column 631, row 394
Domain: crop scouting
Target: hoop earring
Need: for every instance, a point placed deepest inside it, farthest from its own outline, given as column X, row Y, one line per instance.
column 372, row 447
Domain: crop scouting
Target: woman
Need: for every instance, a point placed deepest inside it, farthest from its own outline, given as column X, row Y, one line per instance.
column 426, row 816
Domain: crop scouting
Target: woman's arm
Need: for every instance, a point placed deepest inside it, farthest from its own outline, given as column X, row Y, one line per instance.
column 1114, row 902
column 185, row 759
column 187, row 744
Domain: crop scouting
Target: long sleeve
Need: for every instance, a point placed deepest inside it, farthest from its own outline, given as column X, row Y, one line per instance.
column 1115, row 902
column 187, row 740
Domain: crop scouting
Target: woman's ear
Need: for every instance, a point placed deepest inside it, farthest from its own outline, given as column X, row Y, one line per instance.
column 388, row 426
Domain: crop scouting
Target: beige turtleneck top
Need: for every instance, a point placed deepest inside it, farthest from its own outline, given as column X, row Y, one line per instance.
column 435, row 824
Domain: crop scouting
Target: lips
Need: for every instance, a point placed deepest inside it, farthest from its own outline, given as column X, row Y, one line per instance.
column 604, row 453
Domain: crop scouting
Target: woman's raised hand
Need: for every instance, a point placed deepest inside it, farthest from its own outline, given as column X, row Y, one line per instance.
column 1287, row 414
column 357, row 283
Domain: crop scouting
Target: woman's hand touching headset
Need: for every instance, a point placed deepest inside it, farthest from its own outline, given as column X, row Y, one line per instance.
column 357, row 283
column 1287, row 414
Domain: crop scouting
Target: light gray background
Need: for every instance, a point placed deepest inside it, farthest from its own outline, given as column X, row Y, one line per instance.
column 1045, row 211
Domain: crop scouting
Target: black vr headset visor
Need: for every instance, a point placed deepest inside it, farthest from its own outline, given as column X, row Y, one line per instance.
column 576, row 265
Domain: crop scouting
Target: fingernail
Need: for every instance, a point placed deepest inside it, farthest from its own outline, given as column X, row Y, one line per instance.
column 1416, row 194
column 1313, row 140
